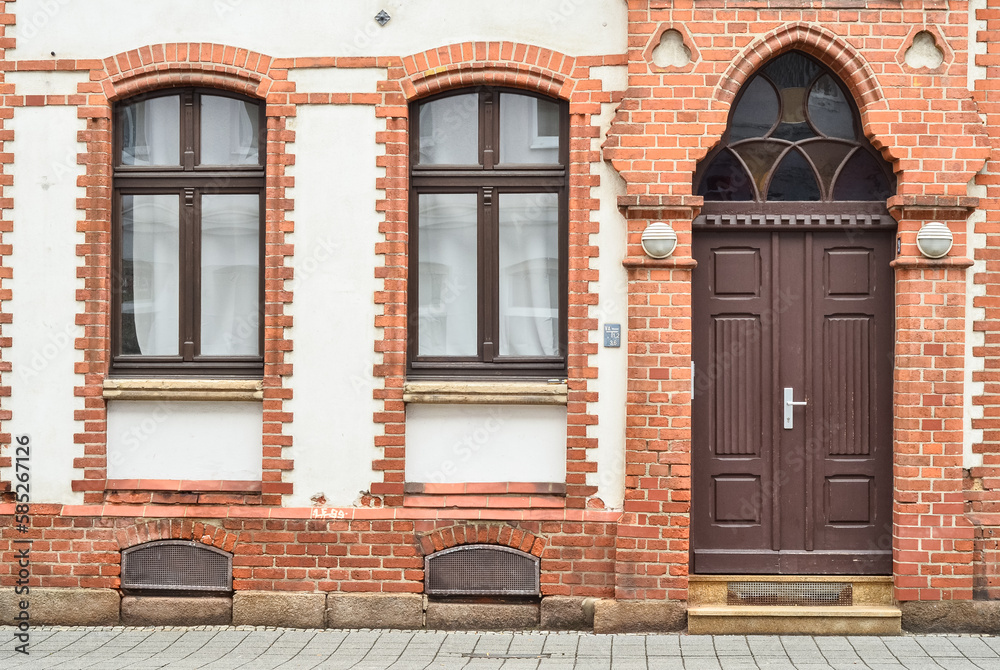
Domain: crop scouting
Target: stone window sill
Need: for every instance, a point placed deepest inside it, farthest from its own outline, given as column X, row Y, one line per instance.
column 486, row 392
column 184, row 485
column 183, row 389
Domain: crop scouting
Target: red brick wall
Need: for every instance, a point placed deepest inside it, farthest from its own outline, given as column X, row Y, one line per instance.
column 925, row 122
column 371, row 550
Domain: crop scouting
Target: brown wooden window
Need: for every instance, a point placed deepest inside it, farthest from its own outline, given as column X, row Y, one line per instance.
column 488, row 234
column 188, row 234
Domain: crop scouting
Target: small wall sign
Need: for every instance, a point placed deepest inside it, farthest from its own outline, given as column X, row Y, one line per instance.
column 612, row 335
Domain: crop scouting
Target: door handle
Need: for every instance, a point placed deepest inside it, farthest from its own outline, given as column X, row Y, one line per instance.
column 790, row 404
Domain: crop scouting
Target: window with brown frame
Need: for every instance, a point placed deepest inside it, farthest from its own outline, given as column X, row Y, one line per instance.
column 188, row 234
column 488, row 235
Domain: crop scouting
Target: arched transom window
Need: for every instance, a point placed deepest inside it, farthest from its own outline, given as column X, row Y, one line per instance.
column 794, row 135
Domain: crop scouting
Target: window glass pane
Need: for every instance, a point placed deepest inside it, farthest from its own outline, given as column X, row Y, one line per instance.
column 151, row 132
column 827, row 157
column 529, row 274
column 756, row 112
column 230, row 131
column 449, row 130
column 230, row 274
column 862, row 179
column 725, row 180
column 829, row 110
column 448, row 289
column 791, row 70
column 760, row 157
column 150, row 274
column 793, row 126
column 529, row 129
column 793, row 180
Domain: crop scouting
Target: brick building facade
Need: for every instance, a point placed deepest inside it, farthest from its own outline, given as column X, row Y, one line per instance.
column 388, row 431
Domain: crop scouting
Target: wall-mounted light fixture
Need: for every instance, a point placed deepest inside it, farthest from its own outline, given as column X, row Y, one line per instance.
column 659, row 240
column 934, row 239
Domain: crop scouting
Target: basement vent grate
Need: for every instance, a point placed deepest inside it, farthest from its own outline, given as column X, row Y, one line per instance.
column 481, row 570
column 790, row 593
column 176, row 565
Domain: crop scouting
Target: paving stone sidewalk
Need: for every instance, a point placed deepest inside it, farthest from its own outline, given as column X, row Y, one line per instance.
column 228, row 648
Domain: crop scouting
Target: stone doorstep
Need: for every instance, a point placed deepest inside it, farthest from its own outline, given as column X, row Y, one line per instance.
column 873, row 612
column 796, row 620
column 868, row 590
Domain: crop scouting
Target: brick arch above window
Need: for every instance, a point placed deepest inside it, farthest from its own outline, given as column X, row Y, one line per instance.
column 176, row 529
column 488, row 63
column 187, row 64
column 501, row 534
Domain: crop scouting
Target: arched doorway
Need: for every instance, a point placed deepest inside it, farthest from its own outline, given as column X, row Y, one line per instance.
column 792, row 335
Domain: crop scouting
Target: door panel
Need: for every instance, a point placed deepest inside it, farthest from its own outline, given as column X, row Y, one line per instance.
column 812, row 311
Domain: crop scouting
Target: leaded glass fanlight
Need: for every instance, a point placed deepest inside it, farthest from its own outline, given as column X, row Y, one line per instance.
column 794, row 135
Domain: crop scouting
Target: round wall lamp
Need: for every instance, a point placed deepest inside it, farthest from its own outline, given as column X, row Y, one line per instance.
column 659, row 240
column 934, row 239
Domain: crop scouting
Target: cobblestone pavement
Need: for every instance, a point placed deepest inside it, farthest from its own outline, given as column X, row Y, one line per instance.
column 225, row 648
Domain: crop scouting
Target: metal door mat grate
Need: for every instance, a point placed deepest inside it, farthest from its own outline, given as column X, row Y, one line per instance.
column 790, row 593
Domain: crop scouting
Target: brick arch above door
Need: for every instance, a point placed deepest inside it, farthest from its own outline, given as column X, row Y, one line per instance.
column 645, row 122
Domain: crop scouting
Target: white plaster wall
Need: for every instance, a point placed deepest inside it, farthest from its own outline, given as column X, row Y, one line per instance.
column 974, row 338
column 977, row 47
column 41, row 82
column 184, row 440
column 43, row 299
column 612, row 307
column 98, row 28
column 337, row 79
column 485, row 443
column 972, row 389
column 336, row 229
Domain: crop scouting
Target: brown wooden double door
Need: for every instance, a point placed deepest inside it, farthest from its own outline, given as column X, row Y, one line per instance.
column 811, row 311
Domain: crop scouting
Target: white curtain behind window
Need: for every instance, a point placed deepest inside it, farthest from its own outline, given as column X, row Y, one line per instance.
column 529, row 274
column 150, row 264
column 449, row 130
column 230, row 266
column 151, row 132
column 448, row 292
column 229, row 131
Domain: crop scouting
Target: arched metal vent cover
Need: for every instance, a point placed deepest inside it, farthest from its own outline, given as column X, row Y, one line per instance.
column 481, row 570
column 176, row 565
